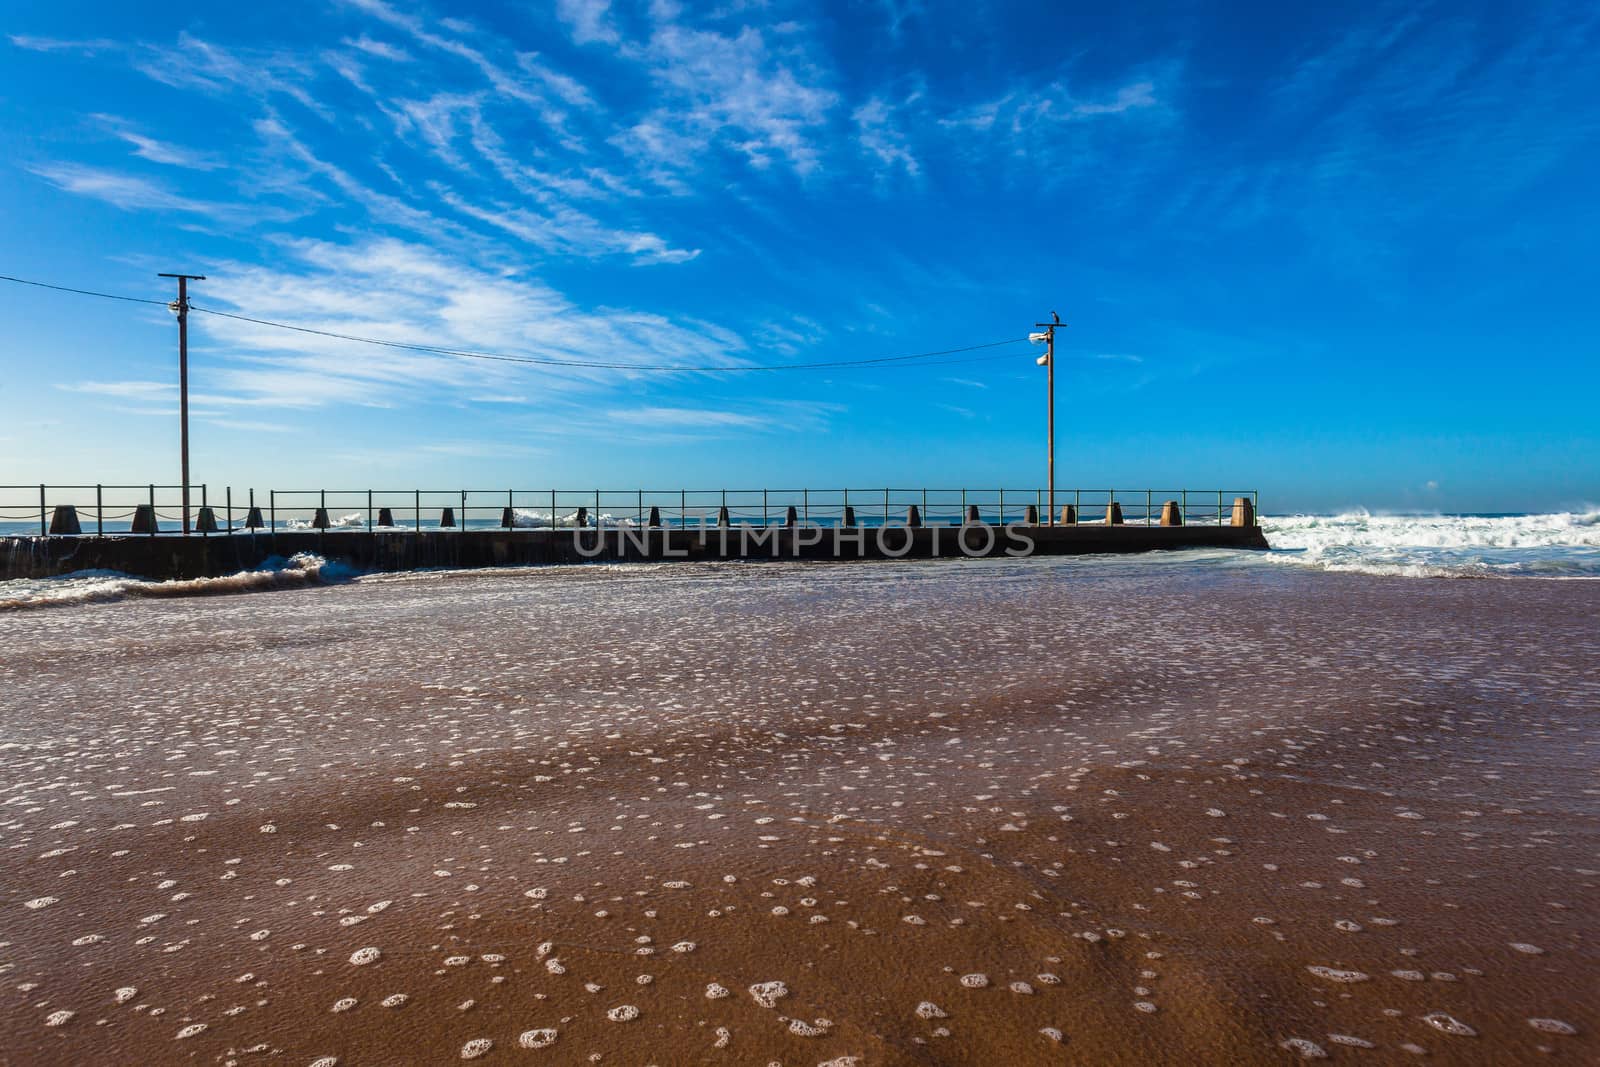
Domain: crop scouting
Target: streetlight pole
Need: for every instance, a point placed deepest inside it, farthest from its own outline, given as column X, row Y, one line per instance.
column 1049, row 360
column 181, row 308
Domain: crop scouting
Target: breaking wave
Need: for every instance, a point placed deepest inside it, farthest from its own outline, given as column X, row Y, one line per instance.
column 101, row 587
column 540, row 520
column 352, row 521
column 1552, row 545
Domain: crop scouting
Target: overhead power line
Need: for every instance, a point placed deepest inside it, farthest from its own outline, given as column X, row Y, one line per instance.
column 83, row 292
column 550, row 361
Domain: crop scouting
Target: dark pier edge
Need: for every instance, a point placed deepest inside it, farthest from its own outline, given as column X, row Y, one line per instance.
column 162, row 558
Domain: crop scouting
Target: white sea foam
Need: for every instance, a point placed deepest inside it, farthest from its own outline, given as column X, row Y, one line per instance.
column 1552, row 545
column 352, row 521
column 524, row 519
column 100, row 587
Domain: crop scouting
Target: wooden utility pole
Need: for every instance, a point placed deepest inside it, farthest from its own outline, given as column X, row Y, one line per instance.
column 1050, row 419
column 180, row 307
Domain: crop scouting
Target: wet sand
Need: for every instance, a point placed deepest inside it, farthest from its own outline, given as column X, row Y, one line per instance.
column 1037, row 812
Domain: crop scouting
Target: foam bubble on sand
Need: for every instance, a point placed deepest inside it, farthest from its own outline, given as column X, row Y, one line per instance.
column 715, row 992
column 623, row 1013
column 125, row 994
column 1309, row 1050
column 363, row 956
column 801, row 1028
column 767, row 994
column 1553, row 1026
column 478, row 1046
column 975, row 981
column 1053, row 1034
column 929, row 1010
column 1353, row 1042
column 192, row 1030
column 1527, row 949
column 1333, row 974
column 684, row 946
column 394, row 1000
column 40, row 902
column 344, row 1004
column 59, row 1018
column 325, row 1061
column 1448, row 1024
column 542, row 1038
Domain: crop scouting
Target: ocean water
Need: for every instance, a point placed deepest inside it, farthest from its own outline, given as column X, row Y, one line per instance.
column 1551, row 545
column 1557, row 545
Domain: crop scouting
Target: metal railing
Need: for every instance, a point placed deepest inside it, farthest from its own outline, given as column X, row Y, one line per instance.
column 29, row 510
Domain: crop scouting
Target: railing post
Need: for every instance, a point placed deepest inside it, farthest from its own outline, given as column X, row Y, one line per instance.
column 552, row 509
column 369, row 510
column 763, row 507
column 924, row 514
column 846, row 507
column 640, row 517
column 416, row 507
column 99, row 511
column 227, row 502
column 805, row 503
column 1148, row 495
column 44, row 522
column 1219, row 507
column 272, row 511
column 683, row 509
column 724, row 510
column 597, row 511
column 963, row 507
column 463, row 510
column 886, row 507
column 1002, row 507
column 153, row 523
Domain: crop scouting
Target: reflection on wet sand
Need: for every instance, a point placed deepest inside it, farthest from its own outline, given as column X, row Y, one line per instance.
column 987, row 812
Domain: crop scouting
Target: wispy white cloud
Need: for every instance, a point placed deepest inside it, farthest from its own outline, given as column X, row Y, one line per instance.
column 126, row 191
column 132, row 389
column 882, row 138
column 693, row 417
column 397, row 291
column 380, row 49
column 589, row 20
column 159, row 151
column 732, row 90
column 570, row 231
column 89, row 46
column 504, row 82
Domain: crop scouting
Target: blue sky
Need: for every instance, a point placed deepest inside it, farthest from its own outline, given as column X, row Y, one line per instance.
column 1340, row 253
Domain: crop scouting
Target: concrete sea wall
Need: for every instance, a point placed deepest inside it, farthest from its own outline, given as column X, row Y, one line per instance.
column 164, row 557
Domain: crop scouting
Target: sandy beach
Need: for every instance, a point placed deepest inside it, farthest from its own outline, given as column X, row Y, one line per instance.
column 986, row 812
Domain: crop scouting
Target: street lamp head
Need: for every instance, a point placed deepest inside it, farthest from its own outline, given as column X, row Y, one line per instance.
column 1044, row 360
column 1038, row 338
